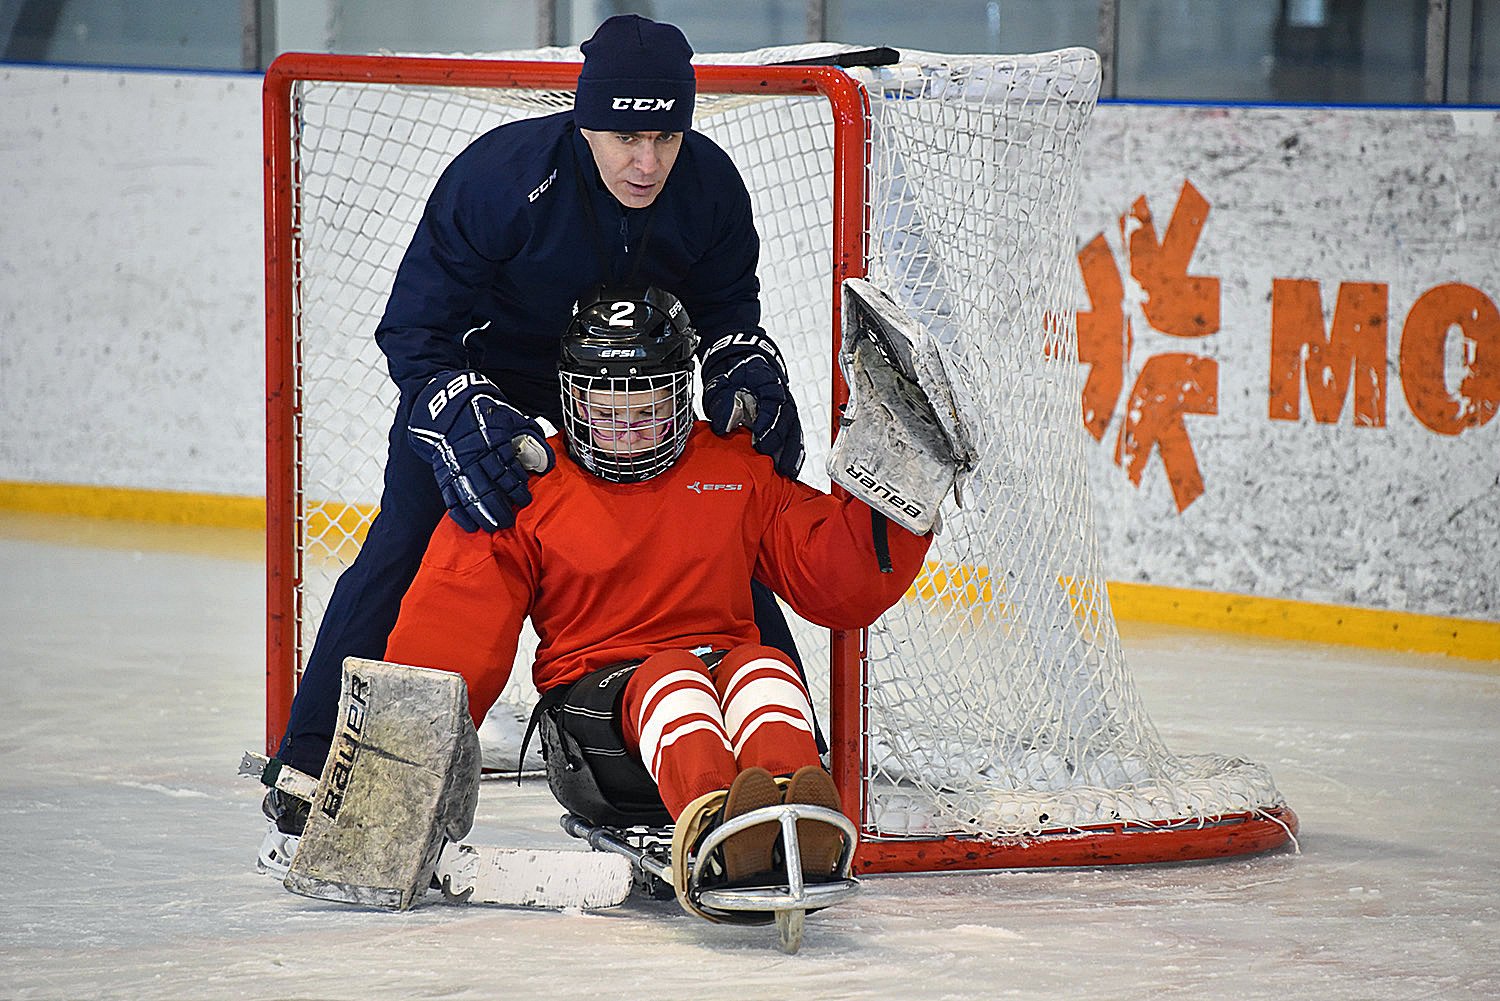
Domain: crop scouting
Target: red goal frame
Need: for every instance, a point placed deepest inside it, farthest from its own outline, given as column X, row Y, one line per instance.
column 849, row 106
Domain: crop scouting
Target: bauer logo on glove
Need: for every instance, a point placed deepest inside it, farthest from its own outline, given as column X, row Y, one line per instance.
column 483, row 450
column 901, row 446
column 745, row 385
column 444, row 393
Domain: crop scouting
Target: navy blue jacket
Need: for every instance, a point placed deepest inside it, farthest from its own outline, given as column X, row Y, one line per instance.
column 505, row 244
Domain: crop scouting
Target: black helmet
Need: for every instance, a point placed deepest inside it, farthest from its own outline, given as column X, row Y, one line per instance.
column 622, row 332
column 627, row 379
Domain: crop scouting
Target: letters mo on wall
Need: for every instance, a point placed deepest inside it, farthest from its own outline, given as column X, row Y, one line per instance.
column 1290, row 338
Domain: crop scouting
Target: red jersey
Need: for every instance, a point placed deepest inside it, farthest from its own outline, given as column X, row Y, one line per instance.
column 612, row 572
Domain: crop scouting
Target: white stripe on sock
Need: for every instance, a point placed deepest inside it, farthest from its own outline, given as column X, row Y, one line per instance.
column 677, row 734
column 770, row 717
column 696, row 678
column 775, row 693
column 673, row 708
column 762, row 664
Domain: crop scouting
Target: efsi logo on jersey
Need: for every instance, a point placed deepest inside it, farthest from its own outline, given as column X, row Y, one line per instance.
column 642, row 103
column 699, row 487
column 541, row 189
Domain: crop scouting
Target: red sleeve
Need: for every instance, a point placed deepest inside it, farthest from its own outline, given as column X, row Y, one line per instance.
column 464, row 610
column 818, row 553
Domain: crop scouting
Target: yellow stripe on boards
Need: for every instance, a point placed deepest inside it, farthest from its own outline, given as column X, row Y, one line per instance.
column 130, row 504
column 338, row 528
column 964, row 585
column 969, row 587
column 1308, row 621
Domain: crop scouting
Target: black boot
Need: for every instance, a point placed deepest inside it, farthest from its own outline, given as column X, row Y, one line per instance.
column 287, row 812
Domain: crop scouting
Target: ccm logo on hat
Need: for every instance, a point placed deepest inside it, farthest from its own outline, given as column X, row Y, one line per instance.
column 642, row 103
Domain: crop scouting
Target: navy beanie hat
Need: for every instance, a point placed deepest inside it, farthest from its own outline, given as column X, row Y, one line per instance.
column 637, row 77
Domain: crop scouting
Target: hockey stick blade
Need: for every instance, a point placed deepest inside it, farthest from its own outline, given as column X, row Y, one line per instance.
column 527, row 877
column 487, row 874
column 880, row 55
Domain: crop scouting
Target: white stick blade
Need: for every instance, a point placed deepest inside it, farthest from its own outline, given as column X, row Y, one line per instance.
column 524, row 877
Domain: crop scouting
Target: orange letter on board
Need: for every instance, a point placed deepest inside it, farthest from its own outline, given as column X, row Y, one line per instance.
column 1424, row 343
column 1103, row 335
column 1353, row 349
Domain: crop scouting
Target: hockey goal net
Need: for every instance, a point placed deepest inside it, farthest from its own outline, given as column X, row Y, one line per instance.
column 987, row 720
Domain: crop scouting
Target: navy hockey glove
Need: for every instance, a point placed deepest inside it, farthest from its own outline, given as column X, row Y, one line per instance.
column 745, row 385
column 482, row 449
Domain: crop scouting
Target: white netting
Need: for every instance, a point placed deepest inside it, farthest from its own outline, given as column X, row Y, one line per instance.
column 998, row 697
column 999, row 700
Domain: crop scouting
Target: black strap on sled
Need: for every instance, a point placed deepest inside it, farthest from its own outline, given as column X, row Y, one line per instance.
column 548, row 700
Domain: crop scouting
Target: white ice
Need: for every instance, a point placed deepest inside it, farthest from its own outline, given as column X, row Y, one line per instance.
column 132, row 678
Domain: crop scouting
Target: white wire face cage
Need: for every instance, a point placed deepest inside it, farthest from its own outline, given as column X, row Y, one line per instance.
column 627, row 430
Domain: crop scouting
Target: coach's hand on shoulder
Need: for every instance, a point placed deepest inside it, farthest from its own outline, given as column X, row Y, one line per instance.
column 745, row 385
column 483, row 450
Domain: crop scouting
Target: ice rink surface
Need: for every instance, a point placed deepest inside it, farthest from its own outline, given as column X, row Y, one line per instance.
column 132, row 679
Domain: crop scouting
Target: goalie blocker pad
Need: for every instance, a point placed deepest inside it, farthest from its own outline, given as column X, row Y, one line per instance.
column 402, row 777
column 901, row 444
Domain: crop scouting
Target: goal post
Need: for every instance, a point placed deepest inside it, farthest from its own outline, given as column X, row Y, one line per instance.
column 298, row 523
column 989, row 719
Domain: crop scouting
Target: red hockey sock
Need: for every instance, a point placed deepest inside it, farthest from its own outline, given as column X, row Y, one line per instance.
column 767, row 714
column 672, row 721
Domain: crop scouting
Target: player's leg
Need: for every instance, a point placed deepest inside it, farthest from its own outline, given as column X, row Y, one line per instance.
column 767, row 712
column 671, row 720
column 768, row 717
column 366, row 599
column 361, row 613
column 775, row 632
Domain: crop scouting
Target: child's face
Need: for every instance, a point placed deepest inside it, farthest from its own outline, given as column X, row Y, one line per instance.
column 627, row 423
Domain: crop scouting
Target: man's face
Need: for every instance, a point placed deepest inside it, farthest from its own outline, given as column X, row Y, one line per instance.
column 634, row 165
column 625, row 424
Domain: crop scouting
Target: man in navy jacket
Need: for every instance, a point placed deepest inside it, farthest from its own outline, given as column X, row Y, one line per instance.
column 522, row 222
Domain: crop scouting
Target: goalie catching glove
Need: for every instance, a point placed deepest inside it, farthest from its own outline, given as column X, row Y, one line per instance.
column 482, row 449
column 745, row 385
column 902, row 444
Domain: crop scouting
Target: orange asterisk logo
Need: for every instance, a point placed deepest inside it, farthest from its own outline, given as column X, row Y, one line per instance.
column 1174, row 302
